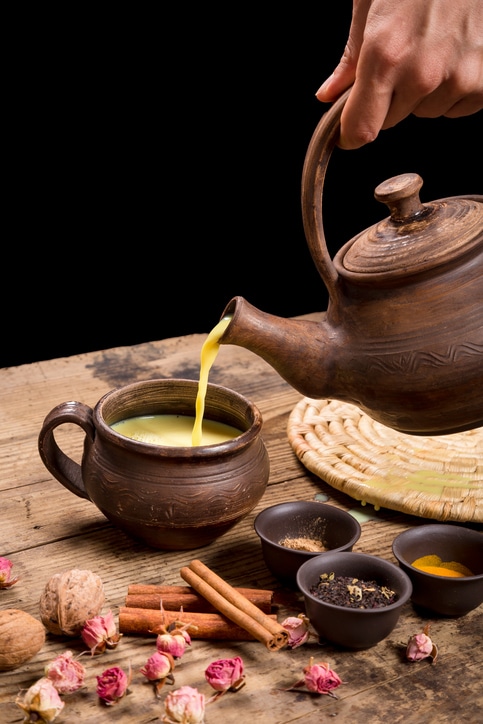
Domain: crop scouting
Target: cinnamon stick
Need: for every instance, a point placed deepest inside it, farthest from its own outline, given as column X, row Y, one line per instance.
column 176, row 598
column 203, row 625
column 234, row 606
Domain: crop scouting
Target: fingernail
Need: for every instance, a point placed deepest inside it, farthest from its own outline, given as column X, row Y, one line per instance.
column 324, row 86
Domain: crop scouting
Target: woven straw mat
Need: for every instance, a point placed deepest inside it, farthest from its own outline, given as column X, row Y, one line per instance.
column 438, row 477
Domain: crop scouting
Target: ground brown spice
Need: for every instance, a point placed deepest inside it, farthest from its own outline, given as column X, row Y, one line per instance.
column 304, row 544
column 352, row 592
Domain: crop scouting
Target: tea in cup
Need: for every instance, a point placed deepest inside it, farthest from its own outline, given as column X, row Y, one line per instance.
column 174, row 430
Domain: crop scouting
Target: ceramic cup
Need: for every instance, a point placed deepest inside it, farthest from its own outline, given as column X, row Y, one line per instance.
column 172, row 498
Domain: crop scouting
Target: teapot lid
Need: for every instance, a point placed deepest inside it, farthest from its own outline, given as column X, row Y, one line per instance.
column 416, row 237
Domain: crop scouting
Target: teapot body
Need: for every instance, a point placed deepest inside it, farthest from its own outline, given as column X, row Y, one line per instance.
column 409, row 351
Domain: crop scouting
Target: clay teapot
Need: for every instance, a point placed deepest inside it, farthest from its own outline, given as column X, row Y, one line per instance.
column 402, row 337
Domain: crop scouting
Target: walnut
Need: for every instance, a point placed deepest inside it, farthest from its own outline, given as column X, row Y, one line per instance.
column 21, row 637
column 69, row 600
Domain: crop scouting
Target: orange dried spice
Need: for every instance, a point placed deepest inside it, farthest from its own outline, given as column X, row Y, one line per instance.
column 433, row 564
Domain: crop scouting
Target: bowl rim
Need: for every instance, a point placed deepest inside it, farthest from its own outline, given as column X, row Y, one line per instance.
column 441, row 527
column 312, row 503
column 400, row 574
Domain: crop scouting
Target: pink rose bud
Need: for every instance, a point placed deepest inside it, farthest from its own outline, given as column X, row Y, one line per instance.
column 298, row 630
column 99, row 633
column 180, row 630
column 159, row 669
column 184, row 706
column 6, row 581
column 112, row 685
column 225, row 674
column 320, row 678
column 41, row 702
column 173, row 643
column 421, row 647
column 66, row 673
column 158, row 666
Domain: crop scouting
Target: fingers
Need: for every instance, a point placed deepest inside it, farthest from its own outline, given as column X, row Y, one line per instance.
column 407, row 57
column 363, row 115
column 465, row 107
column 336, row 84
column 345, row 72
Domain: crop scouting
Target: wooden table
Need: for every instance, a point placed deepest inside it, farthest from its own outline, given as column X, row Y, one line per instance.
column 45, row 529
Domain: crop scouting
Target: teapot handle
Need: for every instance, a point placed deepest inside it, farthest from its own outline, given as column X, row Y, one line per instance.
column 60, row 465
column 317, row 158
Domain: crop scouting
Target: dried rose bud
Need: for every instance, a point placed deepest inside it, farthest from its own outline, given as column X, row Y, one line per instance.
column 5, row 568
column 225, row 674
column 66, row 673
column 159, row 669
column 298, row 630
column 173, row 643
column 420, row 647
column 180, row 629
column 112, row 685
column 41, row 703
column 100, row 632
column 158, row 666
column 185, row 705
column 320, row 678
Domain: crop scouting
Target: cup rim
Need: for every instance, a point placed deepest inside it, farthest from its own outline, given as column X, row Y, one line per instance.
column 238, row 442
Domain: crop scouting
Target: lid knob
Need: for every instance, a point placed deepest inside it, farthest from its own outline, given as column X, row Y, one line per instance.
column 401, row 196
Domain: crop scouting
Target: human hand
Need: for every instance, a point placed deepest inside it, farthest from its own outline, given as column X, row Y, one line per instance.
column 402, row 57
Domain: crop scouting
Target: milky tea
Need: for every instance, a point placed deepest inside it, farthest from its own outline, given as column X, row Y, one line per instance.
column 184, row 430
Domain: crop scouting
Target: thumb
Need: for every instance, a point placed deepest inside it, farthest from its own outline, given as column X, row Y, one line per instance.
column 345, row 72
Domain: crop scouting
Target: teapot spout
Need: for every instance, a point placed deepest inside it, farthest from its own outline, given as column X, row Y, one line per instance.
column 283, row 343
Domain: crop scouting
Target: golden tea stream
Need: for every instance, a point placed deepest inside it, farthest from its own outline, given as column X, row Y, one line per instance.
column 184, row 430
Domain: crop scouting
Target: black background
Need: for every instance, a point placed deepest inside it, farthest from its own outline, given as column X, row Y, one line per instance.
column 156, row 173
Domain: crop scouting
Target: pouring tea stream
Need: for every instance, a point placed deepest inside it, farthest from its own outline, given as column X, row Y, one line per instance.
column 184, row 430
column 402, row 337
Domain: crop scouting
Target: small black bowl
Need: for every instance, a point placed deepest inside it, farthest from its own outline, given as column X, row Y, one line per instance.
column 335, row 529
column 443, row 595
column 353, row 628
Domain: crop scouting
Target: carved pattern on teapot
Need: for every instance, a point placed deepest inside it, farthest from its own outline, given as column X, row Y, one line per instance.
column 413, row 361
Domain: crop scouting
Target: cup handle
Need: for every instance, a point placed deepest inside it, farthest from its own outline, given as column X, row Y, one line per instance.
column 62, row 467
